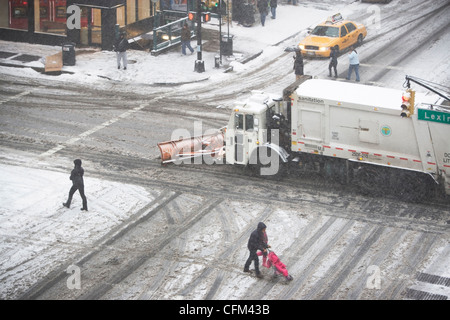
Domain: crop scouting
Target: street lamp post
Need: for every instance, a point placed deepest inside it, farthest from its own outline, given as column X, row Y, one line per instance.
column 199, row 63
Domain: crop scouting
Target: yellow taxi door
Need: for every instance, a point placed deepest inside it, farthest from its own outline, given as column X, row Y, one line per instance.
column 352, row 33
column 345, row 38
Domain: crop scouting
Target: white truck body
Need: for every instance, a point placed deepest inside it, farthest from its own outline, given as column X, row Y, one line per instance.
column 348, row 121
column 363, row 123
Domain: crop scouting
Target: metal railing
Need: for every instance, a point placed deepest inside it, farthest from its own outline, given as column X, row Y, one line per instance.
column 169, row 35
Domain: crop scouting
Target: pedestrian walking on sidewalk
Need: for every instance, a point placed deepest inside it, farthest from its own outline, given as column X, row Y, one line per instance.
column 333, row 61
column 257, row 241
column 263, row 6
column 77, row 184
column 298, row 64
column 354, row 64
column 120, row 47
column 273, row 8
column 186, row 39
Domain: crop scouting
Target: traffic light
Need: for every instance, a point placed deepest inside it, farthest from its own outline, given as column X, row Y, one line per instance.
column 407, row 103
column 206, row 16
column 191, row 15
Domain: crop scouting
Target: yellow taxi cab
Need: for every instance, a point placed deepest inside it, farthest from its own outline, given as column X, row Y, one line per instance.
column 335, row 31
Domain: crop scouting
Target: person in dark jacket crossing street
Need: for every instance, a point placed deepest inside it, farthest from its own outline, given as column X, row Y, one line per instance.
column 77, row 184
column 257, row 241
column 298, row 64
column 333, row 61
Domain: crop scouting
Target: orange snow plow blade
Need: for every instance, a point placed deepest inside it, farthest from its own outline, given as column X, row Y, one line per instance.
column 177, row 150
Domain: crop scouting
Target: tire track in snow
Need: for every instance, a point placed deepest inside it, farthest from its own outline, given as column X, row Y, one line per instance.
column 390, row 243
column 295, row 285
column 346, row 263
column 228, row 227
column 417, row 253
column 226, row 253
column 123, row 273
column 169, row 265
column 58, row 276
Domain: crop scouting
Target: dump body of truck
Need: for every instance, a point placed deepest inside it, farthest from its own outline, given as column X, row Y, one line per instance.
column 363, row 124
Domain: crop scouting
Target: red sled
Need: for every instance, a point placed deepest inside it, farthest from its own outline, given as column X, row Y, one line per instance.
column 271, row 260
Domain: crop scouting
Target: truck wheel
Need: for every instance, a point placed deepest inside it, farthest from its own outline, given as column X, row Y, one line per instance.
column 271, row 170
column 336, row 171
column 369, row 180
column 412, row 187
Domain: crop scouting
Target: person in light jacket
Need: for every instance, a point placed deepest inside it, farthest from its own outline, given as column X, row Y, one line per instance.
column 120, row 47
column 354, row 64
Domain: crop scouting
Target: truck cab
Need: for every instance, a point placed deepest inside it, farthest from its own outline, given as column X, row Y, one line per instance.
column 247, row 128
column 253, row 134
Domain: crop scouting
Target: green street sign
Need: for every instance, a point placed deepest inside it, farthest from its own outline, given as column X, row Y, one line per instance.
column 433, row 116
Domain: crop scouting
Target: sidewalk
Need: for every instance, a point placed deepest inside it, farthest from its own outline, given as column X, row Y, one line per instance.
column 169, row 68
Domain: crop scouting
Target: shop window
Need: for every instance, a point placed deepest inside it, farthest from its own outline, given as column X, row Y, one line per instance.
column 17, row 14
column 50, row 16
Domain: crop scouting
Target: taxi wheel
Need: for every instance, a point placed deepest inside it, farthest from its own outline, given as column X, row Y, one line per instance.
column 360, row 40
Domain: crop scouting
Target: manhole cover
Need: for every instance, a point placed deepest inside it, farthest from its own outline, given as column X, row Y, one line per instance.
column 4, row 55
column 26, row 58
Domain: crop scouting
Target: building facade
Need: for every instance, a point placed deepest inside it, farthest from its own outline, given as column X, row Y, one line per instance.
column 83, row 22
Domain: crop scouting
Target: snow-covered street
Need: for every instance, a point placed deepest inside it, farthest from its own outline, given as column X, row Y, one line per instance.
column 185, row 242
column 181, row 232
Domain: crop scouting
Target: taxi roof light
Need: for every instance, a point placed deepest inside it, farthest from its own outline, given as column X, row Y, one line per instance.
column 335, row 18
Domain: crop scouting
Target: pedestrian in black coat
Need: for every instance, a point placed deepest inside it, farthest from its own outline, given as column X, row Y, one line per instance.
column 186, row 39
column 263, row 6
column 298, row 64
column 257, row 241
column 273, row 8
column 333, row 61
column 77, row 184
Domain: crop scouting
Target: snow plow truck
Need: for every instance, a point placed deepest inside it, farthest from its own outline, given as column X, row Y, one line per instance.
column 384, row 141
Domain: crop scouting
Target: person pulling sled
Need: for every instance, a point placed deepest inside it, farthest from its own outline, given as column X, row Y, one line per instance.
column 258, row 241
